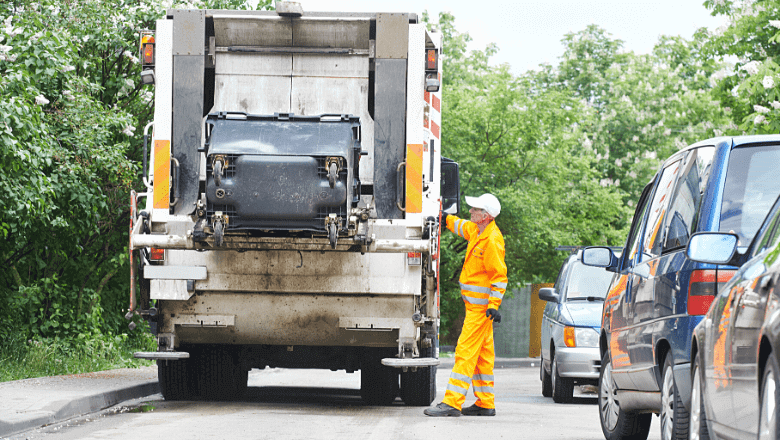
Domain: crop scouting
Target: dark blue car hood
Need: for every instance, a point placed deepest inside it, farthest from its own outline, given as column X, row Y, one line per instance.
column 582, row 313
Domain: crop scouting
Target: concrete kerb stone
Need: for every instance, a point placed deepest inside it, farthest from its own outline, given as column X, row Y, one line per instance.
column 61, row 411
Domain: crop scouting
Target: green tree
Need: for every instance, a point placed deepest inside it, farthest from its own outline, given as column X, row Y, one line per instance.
column 521, row 139
column 747, row 88
column 647, row 106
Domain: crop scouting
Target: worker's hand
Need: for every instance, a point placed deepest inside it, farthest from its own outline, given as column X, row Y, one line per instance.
column 493, row 315
column 443, row 217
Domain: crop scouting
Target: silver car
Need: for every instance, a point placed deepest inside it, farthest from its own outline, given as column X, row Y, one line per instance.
column 570, row 328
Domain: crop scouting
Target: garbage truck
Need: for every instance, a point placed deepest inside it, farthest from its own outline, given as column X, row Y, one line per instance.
column 293, row 188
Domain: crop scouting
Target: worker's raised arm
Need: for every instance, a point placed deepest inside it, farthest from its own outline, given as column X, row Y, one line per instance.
column 464, row 228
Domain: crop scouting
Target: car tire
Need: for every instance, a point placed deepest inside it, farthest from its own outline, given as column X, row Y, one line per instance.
column 674, row 417
column 562, row 387
column 698, row 416
column 768, row 420
column 617, row 424
column 546, row 381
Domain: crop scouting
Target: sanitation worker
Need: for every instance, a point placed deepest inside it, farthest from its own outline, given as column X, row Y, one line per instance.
column 482, row 286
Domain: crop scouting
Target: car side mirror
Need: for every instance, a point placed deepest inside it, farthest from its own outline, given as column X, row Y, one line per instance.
column 600, row 256
column 712, row 247
column 548, row 294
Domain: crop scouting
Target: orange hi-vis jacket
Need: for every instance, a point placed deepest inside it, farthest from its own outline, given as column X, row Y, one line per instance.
column 483, row 278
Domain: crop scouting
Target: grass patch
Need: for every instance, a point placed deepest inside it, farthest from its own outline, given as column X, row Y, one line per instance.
column 23, row 359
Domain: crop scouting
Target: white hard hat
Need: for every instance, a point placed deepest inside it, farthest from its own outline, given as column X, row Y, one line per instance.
column 488, row 202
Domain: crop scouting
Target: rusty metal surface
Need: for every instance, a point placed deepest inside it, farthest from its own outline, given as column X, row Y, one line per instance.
column 297, row 271
column 290, row 319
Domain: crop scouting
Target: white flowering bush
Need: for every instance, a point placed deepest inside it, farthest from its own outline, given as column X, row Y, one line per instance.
column 752, row 37
column 648, row 106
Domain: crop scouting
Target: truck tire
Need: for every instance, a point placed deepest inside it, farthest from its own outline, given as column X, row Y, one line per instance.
column 378, row 383
column 174, row 378
column 418, row 388
column 217, row 374
column 617, row 424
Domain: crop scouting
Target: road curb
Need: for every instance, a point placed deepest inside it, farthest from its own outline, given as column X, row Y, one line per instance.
column 64, row 410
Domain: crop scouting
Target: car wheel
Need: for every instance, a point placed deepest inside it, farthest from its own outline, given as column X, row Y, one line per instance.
column 562, row 387
column 674, row 416
column 767, row 420
column 617, row 424
column 546, row 381
column 698, row 418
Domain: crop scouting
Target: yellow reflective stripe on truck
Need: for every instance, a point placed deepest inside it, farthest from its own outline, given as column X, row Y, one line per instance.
column 162, row 173
column 414, row 165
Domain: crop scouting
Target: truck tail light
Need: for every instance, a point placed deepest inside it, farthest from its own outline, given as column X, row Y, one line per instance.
column 148, row 54
column 568, row 337
column 157, row 254
column 703, row 287
column 414, row 258
column 431, row 60
column 147, row 47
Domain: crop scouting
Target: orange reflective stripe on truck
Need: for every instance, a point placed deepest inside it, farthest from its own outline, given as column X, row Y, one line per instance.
column 162, row 173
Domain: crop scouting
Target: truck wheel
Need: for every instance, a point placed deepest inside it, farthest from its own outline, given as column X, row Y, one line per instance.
column 617, row 424
column 217, row 374
column 546, row 381
column 378, row 383
column 562, row 387
column 174, row 378
column 674, row 416
column 418, row 388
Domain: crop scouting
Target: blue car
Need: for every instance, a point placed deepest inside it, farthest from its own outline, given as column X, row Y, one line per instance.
column 736, row 347
column 570, row 328
column 659, row 295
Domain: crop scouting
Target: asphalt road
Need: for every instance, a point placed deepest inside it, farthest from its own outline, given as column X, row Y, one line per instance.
column 315, row 404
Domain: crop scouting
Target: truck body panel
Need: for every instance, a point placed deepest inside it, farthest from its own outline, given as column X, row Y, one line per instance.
column 292, row 200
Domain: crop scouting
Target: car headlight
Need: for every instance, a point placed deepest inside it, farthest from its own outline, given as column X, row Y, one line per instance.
column 580, row 337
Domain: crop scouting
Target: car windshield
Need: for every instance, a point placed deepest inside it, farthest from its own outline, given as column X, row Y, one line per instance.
column 751, row 188
column 587, row 281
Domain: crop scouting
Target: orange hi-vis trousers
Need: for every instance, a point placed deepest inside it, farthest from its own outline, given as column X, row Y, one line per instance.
column 474, row 359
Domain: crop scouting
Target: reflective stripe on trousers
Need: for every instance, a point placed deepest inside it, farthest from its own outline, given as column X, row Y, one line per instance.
column 474, row 359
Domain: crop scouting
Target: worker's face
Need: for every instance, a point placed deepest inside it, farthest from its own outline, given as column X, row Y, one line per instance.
column 479, row 215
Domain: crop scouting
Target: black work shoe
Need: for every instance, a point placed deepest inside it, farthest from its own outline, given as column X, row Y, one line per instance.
column 475, row 410
column 442, row 410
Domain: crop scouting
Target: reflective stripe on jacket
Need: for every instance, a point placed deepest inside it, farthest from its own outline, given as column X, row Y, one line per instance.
column 483, row 279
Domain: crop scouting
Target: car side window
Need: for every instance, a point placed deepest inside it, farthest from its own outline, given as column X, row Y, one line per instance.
column 632, row 244
column 561, row 277
column 769, row 231
column 651, row 242
column 684, row 210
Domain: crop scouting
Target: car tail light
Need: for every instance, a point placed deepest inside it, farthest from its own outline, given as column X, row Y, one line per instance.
column 703, row 287
column 157, row 254
column 568, row 337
